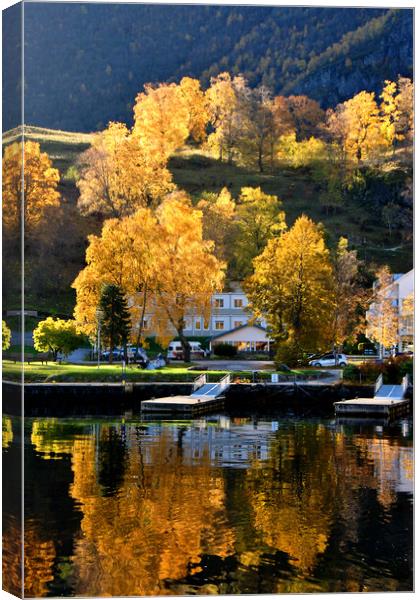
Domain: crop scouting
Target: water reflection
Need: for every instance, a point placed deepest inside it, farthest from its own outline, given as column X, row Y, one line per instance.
column 216, row 505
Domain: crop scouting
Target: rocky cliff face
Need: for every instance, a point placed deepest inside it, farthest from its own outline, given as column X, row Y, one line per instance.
column 364, row 66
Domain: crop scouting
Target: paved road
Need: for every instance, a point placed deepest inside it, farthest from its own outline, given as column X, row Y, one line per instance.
column 235, row 365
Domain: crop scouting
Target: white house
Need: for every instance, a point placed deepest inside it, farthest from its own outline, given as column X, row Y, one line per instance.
column 246, row 338
column 229, row 312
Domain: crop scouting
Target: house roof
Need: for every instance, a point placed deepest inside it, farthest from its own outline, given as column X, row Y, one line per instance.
column 219, row 335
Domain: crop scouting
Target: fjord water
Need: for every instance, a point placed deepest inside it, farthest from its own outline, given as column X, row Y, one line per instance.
column 216, row 505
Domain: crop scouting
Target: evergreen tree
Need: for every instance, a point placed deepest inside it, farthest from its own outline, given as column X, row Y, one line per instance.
column 116, row 323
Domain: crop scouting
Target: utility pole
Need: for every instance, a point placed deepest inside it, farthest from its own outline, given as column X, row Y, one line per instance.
column 99, row 317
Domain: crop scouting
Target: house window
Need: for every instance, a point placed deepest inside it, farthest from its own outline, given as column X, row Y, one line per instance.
column 219, row 302
column 219, row 325
column 205, row 324
column 238, row 303
column 237, row 323
column 197, row 324
column 145, row 324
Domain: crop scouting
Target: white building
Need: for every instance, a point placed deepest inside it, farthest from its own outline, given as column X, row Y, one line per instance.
column 401, row 288
column 229, row 312
column 246, row 338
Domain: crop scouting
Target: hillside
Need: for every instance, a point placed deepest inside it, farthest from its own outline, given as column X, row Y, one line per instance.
column 85, row 63
column 196, row 172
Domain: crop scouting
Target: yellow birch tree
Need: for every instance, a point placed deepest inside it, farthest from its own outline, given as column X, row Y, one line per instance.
column 382, row 316
column 118, row 176
column 161, row 120
column 292, row 288
column 188, row 271
column 34, row 186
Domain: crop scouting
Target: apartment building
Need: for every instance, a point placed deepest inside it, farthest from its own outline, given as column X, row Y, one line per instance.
column 229, row 310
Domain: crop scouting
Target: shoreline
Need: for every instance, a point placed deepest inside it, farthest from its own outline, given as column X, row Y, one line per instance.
column 68, row 399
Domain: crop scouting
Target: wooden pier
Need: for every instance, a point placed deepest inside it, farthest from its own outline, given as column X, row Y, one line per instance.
column 206, row 397
column 389, row 402
column 186, row 405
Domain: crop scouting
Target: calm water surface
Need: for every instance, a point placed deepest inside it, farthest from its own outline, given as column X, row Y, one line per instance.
column 215, row 505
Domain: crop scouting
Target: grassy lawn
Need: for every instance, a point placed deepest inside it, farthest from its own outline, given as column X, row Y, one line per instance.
column 37, row 372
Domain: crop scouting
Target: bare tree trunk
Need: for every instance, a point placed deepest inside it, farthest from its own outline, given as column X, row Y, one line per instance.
column 185, row 345
column 140, row 331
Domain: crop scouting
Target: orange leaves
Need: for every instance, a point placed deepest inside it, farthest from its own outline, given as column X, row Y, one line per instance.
column 29, row 185
column 118, row 175
column 164, row 253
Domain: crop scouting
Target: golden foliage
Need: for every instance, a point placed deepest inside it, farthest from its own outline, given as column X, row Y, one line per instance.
column 162, row 120
column 29, row 185
column 196, row 103
column 164, row 254
column 362, row 127
column 118, row 175
column 382, row 316
column 292, row 287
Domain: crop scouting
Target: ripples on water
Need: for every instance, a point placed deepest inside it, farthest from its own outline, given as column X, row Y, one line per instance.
column 215, row 505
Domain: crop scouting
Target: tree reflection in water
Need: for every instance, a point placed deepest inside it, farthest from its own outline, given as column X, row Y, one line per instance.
column 219, row 507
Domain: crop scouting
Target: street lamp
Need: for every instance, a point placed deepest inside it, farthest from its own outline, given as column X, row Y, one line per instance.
column 99, row 317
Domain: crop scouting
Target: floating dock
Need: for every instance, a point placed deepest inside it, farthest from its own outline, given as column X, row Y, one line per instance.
column 389, row 401
column 205, row 398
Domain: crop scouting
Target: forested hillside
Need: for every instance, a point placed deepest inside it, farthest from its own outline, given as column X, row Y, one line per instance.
column 85, row 63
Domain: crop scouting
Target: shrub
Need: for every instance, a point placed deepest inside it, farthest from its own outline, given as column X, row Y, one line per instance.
column 351, row 373
column 225, row 350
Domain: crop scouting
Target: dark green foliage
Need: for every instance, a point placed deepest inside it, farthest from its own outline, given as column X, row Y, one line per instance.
column 115, row 318
column 225, row 350
column 392, row 369
column 85, row 63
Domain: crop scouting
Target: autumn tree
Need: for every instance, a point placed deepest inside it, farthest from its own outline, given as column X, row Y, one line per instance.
column 219, row 225
column 347, row 295
column 195, row 101
column 162, row 120
column 292, row 287
column 122, row 255
column 223, row 101
column 306, row 115
column 29, row 186
column 390, row 114
column 259, row 218
column 57, row 336
column 160, row 261
column 405, row 106
column 114, row 318
column 361, row 125
column 301, row 154
column 189, row 273
column 382, row 316
column 118, row 175
column 6, row 336
column 283, row 121
column 257, row 136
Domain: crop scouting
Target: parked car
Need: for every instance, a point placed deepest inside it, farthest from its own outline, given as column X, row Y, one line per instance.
column 175, row 351
column 116, row 354
column 141, row 353
column 329, row 360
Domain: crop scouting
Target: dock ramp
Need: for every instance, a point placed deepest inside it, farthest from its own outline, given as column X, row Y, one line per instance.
column 388, row 401
column 205, row 397
column 203, row 389
column 390, row 392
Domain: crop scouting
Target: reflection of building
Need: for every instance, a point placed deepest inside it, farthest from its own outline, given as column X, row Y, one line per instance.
column 401, row 291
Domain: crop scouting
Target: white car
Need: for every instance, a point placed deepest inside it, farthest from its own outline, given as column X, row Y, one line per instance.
column 175, row 351
column 329, row 360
